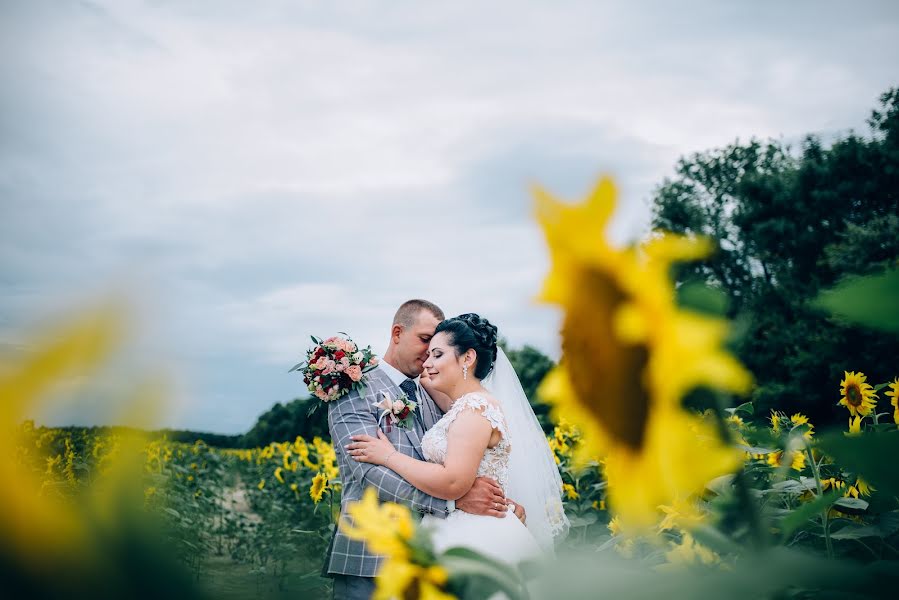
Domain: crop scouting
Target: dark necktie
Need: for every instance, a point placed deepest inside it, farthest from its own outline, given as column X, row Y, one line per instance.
column 409, row 388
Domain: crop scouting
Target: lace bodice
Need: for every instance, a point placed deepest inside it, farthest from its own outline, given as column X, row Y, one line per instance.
column 495, row 462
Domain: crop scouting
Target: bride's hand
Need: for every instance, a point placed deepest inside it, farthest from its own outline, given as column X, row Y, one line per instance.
column 368, row 449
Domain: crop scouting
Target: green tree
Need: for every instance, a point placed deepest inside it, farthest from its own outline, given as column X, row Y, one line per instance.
column 531, row 366
column 284, row 422
column 787, row 226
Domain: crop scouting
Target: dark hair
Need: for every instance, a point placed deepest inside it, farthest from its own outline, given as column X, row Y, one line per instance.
column 472, row 331
column 407, row 313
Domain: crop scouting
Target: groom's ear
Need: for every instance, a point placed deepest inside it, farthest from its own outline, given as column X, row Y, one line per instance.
column 395, row 332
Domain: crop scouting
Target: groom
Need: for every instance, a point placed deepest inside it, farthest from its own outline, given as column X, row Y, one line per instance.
column 348, row 561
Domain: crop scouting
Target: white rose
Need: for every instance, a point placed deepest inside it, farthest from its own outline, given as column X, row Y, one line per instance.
column 398, row 406
column 357, row 358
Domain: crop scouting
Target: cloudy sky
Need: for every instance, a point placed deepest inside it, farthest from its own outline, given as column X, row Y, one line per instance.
column 255, row 172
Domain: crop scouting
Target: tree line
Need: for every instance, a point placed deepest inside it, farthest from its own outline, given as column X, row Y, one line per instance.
column 788, row 225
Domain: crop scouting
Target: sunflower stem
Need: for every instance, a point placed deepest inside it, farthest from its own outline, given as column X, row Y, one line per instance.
column 750, row 509
column 824, row 518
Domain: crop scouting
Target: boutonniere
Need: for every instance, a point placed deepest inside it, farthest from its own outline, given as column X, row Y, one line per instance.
column 397, row 410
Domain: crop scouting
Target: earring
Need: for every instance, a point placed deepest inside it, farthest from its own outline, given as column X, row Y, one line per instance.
column 464, row 371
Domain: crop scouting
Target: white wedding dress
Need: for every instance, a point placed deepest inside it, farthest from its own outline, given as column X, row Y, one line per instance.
column 504, row 539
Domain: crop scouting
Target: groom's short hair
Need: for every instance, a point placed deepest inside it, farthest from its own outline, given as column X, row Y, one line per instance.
column 407, row 313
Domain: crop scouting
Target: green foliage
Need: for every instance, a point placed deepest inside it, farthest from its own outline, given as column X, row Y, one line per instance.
column 286, row 422
column 531, row 366
column 786, row 227
column 870, row 455
column 872, row 301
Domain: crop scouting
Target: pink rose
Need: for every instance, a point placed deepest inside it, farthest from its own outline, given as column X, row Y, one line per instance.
column 398, row 406
column 321, row 394
column 354, row 371
column 373, row 361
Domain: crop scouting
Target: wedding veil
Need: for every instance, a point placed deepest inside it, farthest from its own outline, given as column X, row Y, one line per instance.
column 534, row 479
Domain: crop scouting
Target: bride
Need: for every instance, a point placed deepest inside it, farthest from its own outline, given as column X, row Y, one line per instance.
column 488, row 430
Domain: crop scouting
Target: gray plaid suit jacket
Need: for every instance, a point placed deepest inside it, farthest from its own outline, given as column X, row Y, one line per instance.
column 354, row 414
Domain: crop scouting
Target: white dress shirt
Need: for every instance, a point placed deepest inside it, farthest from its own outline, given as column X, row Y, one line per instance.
column 397, row 376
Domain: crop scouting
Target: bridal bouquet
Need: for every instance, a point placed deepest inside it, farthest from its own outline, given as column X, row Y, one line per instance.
column 335, row 366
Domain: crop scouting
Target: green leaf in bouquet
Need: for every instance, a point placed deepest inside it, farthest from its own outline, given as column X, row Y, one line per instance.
column 297, row 367
column 872, row 301
column 868, row 454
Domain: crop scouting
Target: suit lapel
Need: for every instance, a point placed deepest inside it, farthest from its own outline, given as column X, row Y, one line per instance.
column 411, row 432
column 429, row 414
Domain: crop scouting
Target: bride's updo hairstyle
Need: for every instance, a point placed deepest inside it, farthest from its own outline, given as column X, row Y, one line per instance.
column 472, row 331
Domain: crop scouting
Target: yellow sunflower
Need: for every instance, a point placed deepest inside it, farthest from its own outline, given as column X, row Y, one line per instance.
column 863, row 487
column 688, row 553
column 387, row 529
column 893, row 394
column 779, row 458
column 684, row 515
column 629, row 356
column 775, row 421
column 319, row 484
column 859, row 397
column 801, row 421
column 736, row 421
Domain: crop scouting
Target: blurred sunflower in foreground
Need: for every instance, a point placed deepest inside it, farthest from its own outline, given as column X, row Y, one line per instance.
column 409, row 568
column 630, row 354
column 95, row 544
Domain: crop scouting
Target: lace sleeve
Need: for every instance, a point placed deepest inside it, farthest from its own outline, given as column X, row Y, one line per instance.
column 482, row 406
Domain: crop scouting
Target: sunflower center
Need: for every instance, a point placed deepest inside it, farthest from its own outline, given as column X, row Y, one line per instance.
column 854, row 395
column 606, row 374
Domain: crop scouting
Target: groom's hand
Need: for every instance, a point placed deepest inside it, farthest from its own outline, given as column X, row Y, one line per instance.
column 484, row 498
